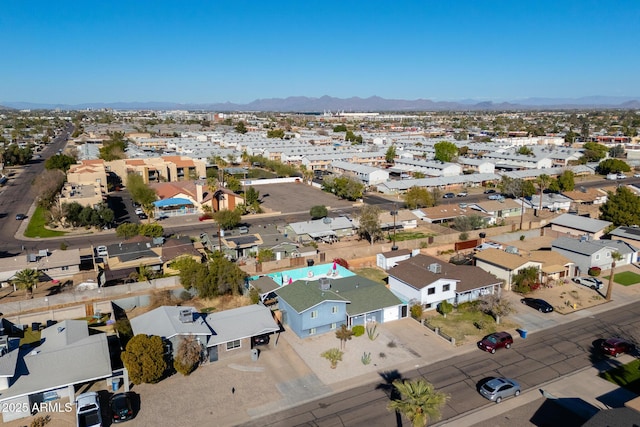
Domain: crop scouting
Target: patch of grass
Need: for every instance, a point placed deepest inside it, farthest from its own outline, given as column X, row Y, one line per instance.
column 625, row 278
column 627, row 376
column 410, row 235
column 36, row 226
column 374, row 274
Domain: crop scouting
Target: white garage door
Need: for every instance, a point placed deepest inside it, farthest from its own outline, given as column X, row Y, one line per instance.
column 391, row 313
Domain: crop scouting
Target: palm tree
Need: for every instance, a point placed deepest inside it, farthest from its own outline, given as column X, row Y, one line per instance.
column 27, row 279
column 615, row 256
column 419, row 401
column 543, row 182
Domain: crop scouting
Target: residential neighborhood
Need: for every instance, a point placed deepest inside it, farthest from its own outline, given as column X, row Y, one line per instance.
column 299, row 266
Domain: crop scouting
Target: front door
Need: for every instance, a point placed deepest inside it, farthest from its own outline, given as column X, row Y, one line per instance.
column 213, row 353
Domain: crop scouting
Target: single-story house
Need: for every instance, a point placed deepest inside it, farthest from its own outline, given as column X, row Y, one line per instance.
column 67, row 356
column 551, row 201
column 319, row 229
column 56, row 264
column 312, row 307
column 586, row 196
column 402, row 219
column 630, row 235
column 555, row 267
column 428, row 281
column 575, row 225
column 176, row 248
column 498, row 209
column 587, row 253
column 503, row 265
column 220, row 333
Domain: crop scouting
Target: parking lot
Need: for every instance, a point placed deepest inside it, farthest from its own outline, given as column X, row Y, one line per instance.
column 296, row 197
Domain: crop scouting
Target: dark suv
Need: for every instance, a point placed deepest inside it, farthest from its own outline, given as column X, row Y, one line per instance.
column 495, row 341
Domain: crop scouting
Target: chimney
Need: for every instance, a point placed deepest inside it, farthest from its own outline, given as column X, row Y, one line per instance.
column 199, row 191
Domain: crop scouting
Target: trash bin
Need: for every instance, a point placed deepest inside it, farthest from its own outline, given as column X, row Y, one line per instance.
column 254, row 354
column 115, row 384
column 310, row 262
column 522, row 332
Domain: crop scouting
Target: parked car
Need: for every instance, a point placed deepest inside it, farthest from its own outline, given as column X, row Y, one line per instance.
column 621, row 176
column 448, row 196
column 616, row 346
column 120, row 405
column 489, row 191
column 261, row 339
column 20, row 217
column 102, row 252
column 539, row 304
column 496, row 197
column 590, row 282
column 88, row 410
column 487, row 245
column 462, row 194
column 139, row 211
column 500, row 388
column 143, row 216
column 636, row 175
column 243, row 229
column 494, row 341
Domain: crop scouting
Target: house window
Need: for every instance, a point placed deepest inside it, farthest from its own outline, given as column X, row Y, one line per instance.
column 334, row 309
column 334, row 325
column 314, row 314
column 233, row 344
column 608, row 254
column 312, row 331
column 597, row 256
column 431, row 291
column 65, row 268
column 446, row 288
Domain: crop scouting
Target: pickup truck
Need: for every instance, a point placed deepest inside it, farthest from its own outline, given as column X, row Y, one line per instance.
column 88, row 410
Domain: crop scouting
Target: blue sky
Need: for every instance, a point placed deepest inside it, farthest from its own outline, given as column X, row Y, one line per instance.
column 212, row 51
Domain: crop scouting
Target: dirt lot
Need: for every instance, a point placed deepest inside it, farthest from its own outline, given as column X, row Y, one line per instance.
column 290, row 198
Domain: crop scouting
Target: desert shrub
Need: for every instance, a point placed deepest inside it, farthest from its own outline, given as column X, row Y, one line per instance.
column 594, row 271
column 188, row 355
column 463, row 236
column 358, row 330
column 416, row 311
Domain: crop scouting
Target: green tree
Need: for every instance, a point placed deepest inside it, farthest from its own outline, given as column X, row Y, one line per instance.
column 615, row 257
column 251, row 197
column 516, row 187
column 369, row 219
column 566, row 181
column 340, row 128
column 525, row 151
column 265, row 255
column 141, row 192
column 227, row 219
column 612, row 166
column 150, row 230
column 144, row 359
column 621, row 208
column 188, row 356
column 344, row 334
column 233, row 183
column 217, row 277
column 524, row 279
column 445, row 151
column 418, row 401
column 617, row 151
column 127, row 230
column 27, row 279
column 418, row 197
column 318, row 211
column 469, row 222
column 344, row 187
column 241, row 127
column 59, row 161
column 390, row 155
column 543, row 182
column 275, row 133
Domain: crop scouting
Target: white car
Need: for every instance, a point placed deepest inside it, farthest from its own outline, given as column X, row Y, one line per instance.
column 102, row 252
column 496, row 197
column 88, row 410
column 139, row 211
column 590, row 282
column 636, row 175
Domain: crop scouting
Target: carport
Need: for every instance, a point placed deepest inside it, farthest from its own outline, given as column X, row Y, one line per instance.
column 174, row 206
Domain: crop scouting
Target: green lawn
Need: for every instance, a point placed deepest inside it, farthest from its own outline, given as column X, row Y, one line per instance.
column 408, row 235
column 626, row 278
column 373, row 274
column 627, row 376
column 36, row 226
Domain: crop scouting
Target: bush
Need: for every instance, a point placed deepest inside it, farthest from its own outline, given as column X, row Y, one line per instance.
column 188, row 355
column 594, row 271
column 144, row 359
column 416, row 311
column 341, row 262
column 445, row 308
column 463, row 236
column 358, row 330
column 522, row 237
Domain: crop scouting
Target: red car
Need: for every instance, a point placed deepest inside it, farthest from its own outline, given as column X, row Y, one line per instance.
column 495, row 341
column 616, row 346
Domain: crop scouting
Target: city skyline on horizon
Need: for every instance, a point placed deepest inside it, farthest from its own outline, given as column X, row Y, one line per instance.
column 202, row 53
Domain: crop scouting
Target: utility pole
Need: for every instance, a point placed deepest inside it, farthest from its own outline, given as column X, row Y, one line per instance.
column 394, row 213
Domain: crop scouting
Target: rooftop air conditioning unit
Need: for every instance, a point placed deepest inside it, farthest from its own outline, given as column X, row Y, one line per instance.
column 186, row 315
column 435, row 268
column 324, row 283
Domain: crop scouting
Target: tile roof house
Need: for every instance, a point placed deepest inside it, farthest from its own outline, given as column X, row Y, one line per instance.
column 498, row 209
column 428, row 281
column 57, row 264
column 586, row 196
column 220, row 333
column 503, row 265
column 313, row 307
column 321, row 228
column 66, row 357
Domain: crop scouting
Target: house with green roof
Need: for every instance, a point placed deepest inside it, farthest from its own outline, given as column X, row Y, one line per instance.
column 313, row 307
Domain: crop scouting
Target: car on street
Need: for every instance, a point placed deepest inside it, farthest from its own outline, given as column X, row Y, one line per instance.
column 20, row 217
column 494, row 341
column 448, row 196
column 498, row 389
column 621, row 176
column 636, row 175
column 143, row 216
column 120, row 405
column 139, row 211
column 489, row 191
column 462, row 194
column 538, row 304
column 88, row 410
column 590, row 282
column 616, row 346
column 496, row 197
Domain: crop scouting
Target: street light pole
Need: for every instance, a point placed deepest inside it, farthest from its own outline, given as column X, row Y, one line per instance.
column 394, row 213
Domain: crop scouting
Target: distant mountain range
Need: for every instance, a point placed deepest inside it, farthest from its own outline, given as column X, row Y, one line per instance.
column 354, row 104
